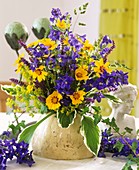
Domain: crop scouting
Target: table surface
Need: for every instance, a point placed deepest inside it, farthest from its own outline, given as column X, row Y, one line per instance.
column 95, row 163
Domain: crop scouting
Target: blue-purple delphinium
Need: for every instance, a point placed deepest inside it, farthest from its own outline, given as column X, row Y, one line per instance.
column 63, row 84
column 108, row 142
column 10, row 148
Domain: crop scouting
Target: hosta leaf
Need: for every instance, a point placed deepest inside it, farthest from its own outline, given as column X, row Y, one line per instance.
column 8, row 89
column 65, row 120
column 28, row 132
column 91, row 134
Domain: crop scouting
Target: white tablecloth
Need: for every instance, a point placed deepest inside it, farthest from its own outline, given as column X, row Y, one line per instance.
column 108, row 163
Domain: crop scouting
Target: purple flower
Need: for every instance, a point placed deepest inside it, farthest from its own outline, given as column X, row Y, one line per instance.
column 9, row 149
column 6, row 133
column 88, row 85
column 34, row 64
column 63, row 84
column 65, row 101
column 75, row 43
column 104, row 52
column 98, row 96
column 54, row 34
column 56, row 12
column 108, row 145
column 117, row 78
column 105, row 41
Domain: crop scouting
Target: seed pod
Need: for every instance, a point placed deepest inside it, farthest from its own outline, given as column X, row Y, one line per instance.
column 41, row 28
column 16, row 31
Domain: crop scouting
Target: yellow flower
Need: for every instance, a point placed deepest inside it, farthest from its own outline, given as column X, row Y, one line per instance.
column 62, row 24
column 87, row 46
column 49, row 43
column 65, row 41
column 39, row 73
column 18, row 60
column 29, row 88
column 52, row 101
column 77, row 97
column 32, row 44
column 101, row 66
column 81, row 74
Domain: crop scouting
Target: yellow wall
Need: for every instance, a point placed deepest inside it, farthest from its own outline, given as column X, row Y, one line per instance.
column 119, row 20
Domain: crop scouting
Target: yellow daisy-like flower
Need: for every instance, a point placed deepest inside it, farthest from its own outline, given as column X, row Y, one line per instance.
column 87, row 46
column 53, row 100
column 49, row 43
column 101, row 66
column 65, row 41
column 39, row 73
column 32, row 44
column 77, row 97
column 29, row 88
column 19, row 63
column 81, row 74
column 18, row 60
column 62, row 24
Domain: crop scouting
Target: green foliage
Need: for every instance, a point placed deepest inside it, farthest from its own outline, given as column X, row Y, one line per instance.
column 81, row 10
column 9, row 89
column 97, row 118
column 112, row 124
column 16, row 129
column 117, row 64
column 128, row 130
column 97, row 109
column 82, row 24
column 91, row 134
column 66, row 119
column 134, row 146
column 119, row 146
column 113, row 98
column 28, row 132
column 131, row 161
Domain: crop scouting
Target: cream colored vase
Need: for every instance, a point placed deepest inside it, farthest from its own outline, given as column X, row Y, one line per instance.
column 54, row 142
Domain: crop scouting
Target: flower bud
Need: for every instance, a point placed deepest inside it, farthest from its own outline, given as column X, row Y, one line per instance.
column 41, row 27
column 16, row 31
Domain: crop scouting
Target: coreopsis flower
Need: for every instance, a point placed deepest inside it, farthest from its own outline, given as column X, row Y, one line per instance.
column 100, row 67
column 61, row 24
column 49, row 43
column 53, row 100
column 81, row 74
column 77, row 97
column 39, row 73
column 87, row 46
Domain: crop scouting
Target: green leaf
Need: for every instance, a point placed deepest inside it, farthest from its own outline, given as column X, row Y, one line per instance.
column 97, row 118
column 91, row 134
column 27, row 133
column 97, row 109
column 127, row 166
column 113, row 98
column 65, row 120
column 119, row 146
column 82, row 24
column 75, row 12
column 8, row 89
column 134, row 146
column 128, row 130
column 111, row 123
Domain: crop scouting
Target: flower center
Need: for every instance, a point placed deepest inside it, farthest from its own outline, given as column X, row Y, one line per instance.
column 76, row 96
column 102, row 69
column 38, row 71
column 54, row 100
column 79, row 75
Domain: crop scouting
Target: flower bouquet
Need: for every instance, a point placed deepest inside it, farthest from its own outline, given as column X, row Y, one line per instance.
column 63, row 75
